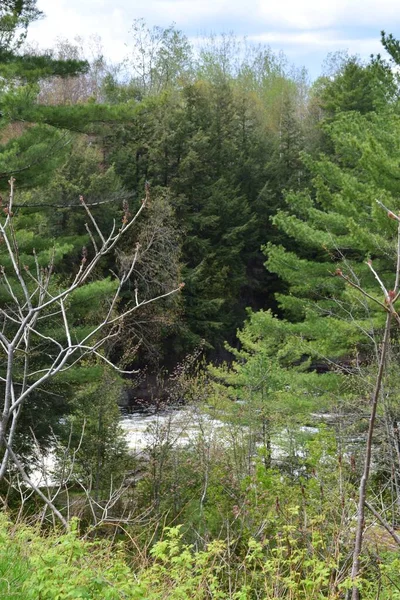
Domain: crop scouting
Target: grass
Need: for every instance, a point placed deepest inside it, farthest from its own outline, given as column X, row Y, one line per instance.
column 14, row 571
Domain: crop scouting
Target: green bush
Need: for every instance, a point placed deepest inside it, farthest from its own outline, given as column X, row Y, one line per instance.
column 294, row 553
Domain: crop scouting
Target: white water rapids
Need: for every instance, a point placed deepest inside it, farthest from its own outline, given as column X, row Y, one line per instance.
column 180, row 427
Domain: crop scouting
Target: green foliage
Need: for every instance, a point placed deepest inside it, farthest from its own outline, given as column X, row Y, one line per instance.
column 265, row 500
column 61, row 567
column 94, row 443
column 15, row 17
column 356, row 87
column 279, row 536
column 220, row 134
column 206, row 145
column 56, row 234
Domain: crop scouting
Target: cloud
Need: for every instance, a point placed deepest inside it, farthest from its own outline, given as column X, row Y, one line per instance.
column 311, row 41
column 69, row 19
column 301, row 28
column 320, row 14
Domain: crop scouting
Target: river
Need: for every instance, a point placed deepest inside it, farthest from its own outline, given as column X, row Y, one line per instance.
column 183, row 426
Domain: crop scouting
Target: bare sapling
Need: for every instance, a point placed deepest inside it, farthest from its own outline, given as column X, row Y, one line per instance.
column 36, row 300
column 388, row 305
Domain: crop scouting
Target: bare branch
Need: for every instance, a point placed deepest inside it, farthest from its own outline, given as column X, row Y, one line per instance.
column 91, row 217
column 347, row 279
column 38, row 491
column 37, row 320
column 384, row 523
column 383, row 288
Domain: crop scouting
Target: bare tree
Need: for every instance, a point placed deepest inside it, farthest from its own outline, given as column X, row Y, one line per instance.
column 78, row 88
column 35, row 301
column 390, row 296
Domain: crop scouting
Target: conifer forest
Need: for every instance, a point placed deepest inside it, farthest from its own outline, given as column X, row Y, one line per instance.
column 199, row 336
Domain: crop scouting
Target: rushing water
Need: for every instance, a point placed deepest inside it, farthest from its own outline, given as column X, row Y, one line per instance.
column 179, row 427
column 184, row 426
column 144, row 429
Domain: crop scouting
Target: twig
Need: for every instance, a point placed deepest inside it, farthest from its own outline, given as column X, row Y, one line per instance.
column 384, row 523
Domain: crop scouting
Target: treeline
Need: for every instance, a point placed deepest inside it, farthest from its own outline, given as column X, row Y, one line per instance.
column 219, row 133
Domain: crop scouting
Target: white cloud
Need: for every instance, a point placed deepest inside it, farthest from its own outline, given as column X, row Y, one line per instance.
column 316, row 14
column 311, row 41
column 298, row 27
column 65, row 19
column 184, row 11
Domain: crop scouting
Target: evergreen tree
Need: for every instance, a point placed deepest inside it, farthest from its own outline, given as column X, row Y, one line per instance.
column 322, row 355
column 27, row 145
column 354, row 88
column 221, row 138
column 93, row 441
column 339, row 221
column 15, row 17
column 208, row 146
column 50, row 226
column 37, row 146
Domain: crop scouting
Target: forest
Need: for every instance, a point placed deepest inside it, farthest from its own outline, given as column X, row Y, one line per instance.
column 204, row 234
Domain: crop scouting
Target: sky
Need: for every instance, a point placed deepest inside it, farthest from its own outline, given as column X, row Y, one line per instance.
column 305, row 30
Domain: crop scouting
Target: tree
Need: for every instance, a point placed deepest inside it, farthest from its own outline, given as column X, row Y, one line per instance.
column 334, row 349
column 204, row 146
column 15, row 17
column 330, row 345
column 390, row 298
column 93, row 438
column 354, row 88
column 347, row 85
column 26, row 141
column 48, row 220
column 46, row 144
column 220, row 139
column 36, row 319
column 161, row 59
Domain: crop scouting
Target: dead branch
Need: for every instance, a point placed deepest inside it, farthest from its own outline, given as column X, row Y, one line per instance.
column 34, row 302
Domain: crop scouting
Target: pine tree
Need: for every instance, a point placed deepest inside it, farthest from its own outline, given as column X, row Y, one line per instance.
column 15, row 17
column 322, row 355
column 328, row 332
column 53, row 166
column 207, row 146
